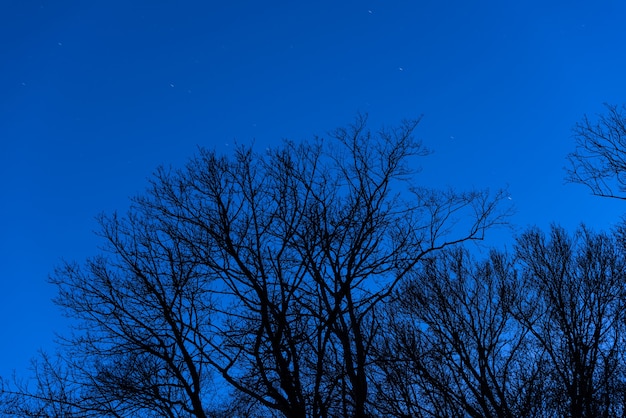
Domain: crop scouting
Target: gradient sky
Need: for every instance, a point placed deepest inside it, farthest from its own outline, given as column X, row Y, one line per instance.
column 94, row 95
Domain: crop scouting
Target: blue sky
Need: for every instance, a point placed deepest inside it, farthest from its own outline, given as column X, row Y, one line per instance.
column 94, row 95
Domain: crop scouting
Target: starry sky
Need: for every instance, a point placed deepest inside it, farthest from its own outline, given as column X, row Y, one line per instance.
column 94, row 95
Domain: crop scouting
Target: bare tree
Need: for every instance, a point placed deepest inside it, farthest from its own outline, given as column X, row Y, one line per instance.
column 49, row 393
column 265, row 269
column 537, row 335
column 143, row 314
column 453, row 348
column 575, row 310
column 599, row 161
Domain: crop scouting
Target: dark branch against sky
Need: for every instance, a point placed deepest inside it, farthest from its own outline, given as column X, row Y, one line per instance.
column 95, row 95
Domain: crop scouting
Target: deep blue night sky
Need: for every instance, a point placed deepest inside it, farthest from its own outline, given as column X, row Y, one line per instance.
column 94, row 95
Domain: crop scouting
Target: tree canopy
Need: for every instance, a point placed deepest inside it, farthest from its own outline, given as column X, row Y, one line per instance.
column 320, row 279
column 599, row 160
column 264, row 272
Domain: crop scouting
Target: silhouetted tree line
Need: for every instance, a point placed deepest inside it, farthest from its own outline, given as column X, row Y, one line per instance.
column 319, row 280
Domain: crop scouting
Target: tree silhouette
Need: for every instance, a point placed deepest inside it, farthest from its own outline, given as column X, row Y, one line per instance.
column 265, row 272
column 599, row 161
column 453, row 347
column 536, row 334
column 575, row 310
